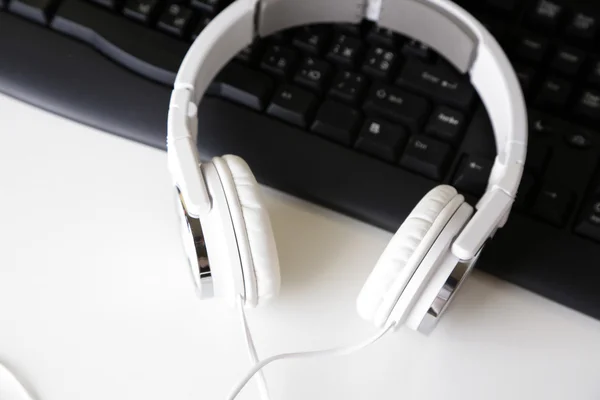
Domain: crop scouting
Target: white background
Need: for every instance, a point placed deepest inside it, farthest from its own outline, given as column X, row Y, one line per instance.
column 96, row 300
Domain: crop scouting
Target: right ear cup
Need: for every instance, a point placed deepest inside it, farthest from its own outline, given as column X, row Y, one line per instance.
column 405, row 252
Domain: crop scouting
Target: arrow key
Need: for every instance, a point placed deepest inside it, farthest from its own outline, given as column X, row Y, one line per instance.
column 553, row 204
column 472, row 175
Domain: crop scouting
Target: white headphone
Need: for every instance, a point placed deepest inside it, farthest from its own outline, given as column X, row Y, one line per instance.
column 227, row 232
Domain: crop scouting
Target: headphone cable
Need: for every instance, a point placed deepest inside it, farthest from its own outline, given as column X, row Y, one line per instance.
column 335, row 351
column 261, row 383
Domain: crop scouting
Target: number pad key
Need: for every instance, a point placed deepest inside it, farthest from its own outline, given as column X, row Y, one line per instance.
column 175, row 19
column 381, row 36
column 311, row 39
column 337, row 122
column 313, row 74
column 210, row 6
column 279, row 60
column 414, row 48
column 348, row 87
column 141, row 10
column 382, row 139
column 293, row 105
column 345, row 50
column 380, row 63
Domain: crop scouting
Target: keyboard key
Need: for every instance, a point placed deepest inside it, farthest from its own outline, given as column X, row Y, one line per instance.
column 526, row 76
column 589, row 220
column 578, row 139
column 414, row 48
column 381, row 139
column 540, row 126
column 110, row 4
column 380, row 62
column 175, row 19
column 588, row 105
column 249, row 54
column 313, row 74
column 397, row 105
column 538, row 155
column 337, row 121
column 446, row 124
column 200, row 26
column 243, row 85
column 148, row 52
column 279, row 60
column 209, row 6
column 524, row 194
column 140, row 10
column 554, row 93
column 582, row 26
column 293, row 105
column 35, row 10
column 546, row 14
column 472, row 175
column 531, row 48
column 594, row 73
column 312, row 39
column 345, row 50
column 379, row 36
column 553, row 204
column 568, row 60
column 438, row 81
column 426, row 156
column 348, row 87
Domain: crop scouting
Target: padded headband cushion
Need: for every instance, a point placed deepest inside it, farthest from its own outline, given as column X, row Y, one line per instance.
column 401, row 257
column 253, row 230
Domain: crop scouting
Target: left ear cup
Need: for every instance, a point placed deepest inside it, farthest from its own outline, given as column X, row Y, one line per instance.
column 404, row 253
column 253, row 230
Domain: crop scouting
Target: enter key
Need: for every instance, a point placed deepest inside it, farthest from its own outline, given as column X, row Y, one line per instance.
column 440, row 80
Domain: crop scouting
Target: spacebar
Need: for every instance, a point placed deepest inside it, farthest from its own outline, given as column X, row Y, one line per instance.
column 147, row 52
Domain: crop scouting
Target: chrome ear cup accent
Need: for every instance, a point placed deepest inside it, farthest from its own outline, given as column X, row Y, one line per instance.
column 192, row 236
column 446, row 294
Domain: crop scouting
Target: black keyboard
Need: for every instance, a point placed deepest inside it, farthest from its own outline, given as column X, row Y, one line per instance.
column 352, row 117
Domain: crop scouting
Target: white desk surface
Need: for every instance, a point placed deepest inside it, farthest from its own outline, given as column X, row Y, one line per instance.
column 96, row 301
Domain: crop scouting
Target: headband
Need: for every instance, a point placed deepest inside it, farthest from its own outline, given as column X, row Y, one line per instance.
column 450, row 30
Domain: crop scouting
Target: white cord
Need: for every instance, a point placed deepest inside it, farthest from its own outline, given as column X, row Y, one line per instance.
column 336, row 351
column 262, row 383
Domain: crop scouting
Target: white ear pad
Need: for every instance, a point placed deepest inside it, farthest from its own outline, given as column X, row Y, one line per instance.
column 253, row 231
column 404, row 253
